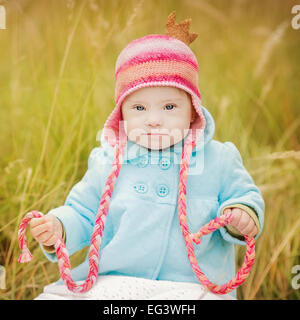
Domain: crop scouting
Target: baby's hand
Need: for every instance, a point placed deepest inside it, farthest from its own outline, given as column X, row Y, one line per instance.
column 242, row 222
column 46, row 229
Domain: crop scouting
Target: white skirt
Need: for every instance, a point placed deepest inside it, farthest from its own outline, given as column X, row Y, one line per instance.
column 132, row 288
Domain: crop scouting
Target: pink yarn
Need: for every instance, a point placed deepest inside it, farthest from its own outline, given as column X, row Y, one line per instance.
column 61, row 251
column 147, row 56
column 160, row 78
column 213, row 225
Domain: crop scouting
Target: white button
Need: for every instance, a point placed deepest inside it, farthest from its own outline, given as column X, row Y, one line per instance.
column 162, row 190
column 164, row 163
column 143, row 162
column 140, row 187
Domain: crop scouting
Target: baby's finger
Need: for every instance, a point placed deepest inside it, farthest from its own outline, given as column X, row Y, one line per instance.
column 243, row 223
column 44, row 237
column 228, row 210
column 253, row 232
column 39, row 229
column 236, row 216
column 248, row 228
column 36, row 221
column 51, row 241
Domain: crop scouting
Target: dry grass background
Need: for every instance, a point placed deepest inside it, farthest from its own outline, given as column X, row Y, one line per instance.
column 57, row 88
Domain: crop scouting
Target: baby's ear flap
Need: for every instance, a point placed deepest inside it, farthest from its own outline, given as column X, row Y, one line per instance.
column 194, row 114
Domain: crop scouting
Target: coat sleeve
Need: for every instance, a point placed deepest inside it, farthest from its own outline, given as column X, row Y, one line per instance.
column 238, row 188
column 78, row 214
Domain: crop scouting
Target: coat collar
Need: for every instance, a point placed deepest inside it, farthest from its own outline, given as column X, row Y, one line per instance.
column 134, row 151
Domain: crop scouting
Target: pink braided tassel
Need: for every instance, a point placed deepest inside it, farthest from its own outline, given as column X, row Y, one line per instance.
column 61, row 251
column 244, row 271
column 213, row 225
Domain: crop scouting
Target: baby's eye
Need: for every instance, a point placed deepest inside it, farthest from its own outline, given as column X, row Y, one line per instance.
column 140, row 108
column 170, row 106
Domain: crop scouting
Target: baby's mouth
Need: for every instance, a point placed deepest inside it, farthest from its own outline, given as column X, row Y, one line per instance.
column 156, row 134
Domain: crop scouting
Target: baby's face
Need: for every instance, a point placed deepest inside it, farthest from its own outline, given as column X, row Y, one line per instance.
column 157, row 117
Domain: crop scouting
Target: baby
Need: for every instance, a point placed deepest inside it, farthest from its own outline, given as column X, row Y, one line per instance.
column 158, row 174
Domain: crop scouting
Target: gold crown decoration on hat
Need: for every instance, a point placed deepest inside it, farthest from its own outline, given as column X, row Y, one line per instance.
column 180, row 30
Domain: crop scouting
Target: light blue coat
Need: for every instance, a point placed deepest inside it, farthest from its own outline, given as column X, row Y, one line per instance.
column 142, row 235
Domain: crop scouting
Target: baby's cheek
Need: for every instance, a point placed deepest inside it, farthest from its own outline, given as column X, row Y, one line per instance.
column 134, row 133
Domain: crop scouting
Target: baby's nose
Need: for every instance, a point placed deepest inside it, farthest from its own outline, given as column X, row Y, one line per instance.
column 153, row 124
column 154, row 121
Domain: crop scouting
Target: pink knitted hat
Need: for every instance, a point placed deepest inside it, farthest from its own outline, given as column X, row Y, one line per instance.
column 156, row 60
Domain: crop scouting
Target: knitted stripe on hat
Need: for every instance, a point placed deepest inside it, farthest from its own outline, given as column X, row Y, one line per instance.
column 155, row 45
